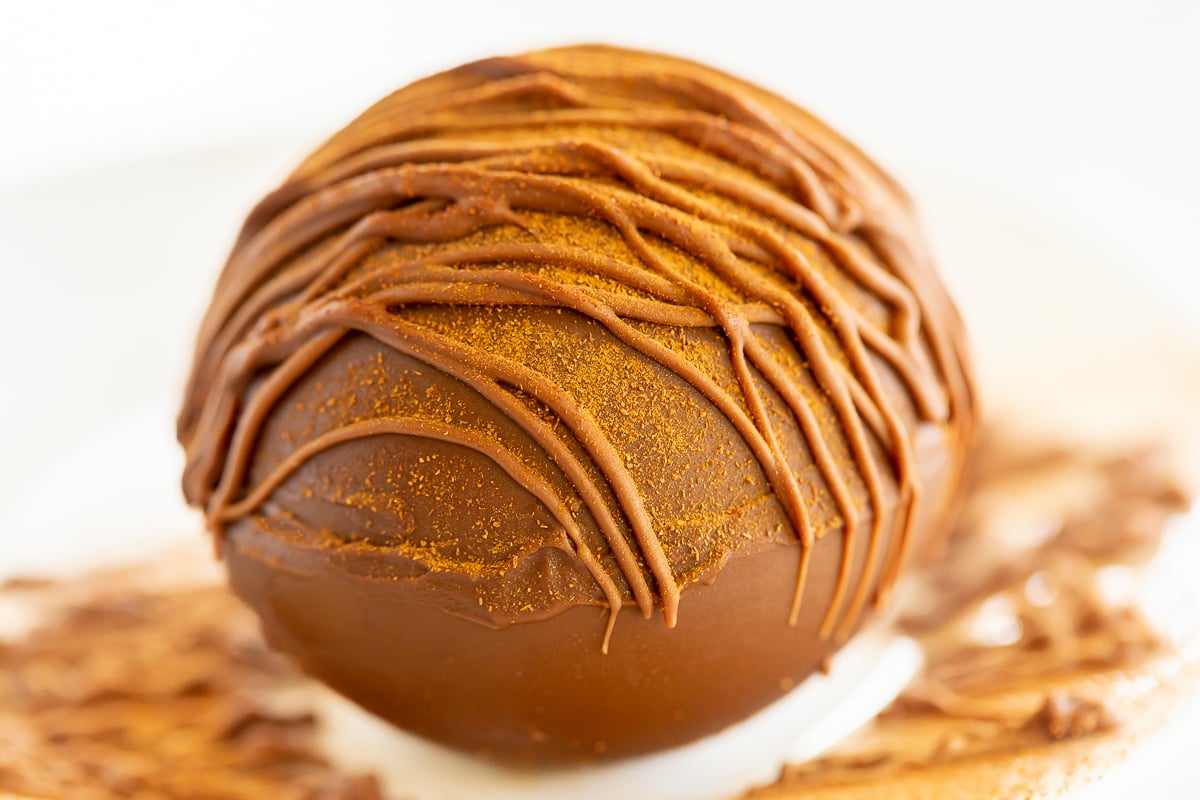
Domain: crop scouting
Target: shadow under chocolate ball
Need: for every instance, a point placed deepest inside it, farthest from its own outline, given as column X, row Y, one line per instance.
column 575, row 405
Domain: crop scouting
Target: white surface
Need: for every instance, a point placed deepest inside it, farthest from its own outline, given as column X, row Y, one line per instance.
column 73, row 513
column 1089, row 107
column 1163, row 765
column 866, row 675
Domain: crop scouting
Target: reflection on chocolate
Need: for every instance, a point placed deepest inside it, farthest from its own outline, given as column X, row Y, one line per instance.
column 544, row 338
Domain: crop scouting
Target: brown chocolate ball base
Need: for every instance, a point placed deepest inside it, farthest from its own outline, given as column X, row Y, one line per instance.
column 541, row 691
column 549, row 336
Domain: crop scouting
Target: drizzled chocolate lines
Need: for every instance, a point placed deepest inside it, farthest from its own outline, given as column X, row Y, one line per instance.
column 408, row 172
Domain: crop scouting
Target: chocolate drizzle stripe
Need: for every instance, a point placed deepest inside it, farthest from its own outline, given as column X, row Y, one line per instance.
column 586, row 303
column 926, row 391
column 731, row 141
column 310, row 266
column 281, row 379
column 427, row 346
column 525, row 477
column 578, row 420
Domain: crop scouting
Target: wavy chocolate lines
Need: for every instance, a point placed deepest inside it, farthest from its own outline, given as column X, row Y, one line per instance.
column 480, row 371
column 525, row 477
column 286, row 296
column 736, row 329
column 849, row 324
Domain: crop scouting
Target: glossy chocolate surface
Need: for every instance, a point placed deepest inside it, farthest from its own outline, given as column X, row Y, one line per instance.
column 547, row 337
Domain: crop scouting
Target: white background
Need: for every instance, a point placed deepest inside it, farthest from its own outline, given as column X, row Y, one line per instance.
column 1079, row 116
column 1092, row 105
column 1081, row 113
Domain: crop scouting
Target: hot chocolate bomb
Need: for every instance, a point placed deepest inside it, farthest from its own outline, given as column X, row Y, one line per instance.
column 575, row 405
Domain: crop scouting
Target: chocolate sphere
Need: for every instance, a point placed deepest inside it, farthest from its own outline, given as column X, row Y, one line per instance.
column 575, row 405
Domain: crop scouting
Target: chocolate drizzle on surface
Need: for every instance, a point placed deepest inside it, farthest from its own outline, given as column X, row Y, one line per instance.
column 751, row 292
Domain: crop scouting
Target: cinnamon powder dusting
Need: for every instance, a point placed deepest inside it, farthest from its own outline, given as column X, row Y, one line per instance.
column 607, row 273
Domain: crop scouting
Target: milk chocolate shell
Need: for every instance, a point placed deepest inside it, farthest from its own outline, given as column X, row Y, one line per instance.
column 575, row 405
